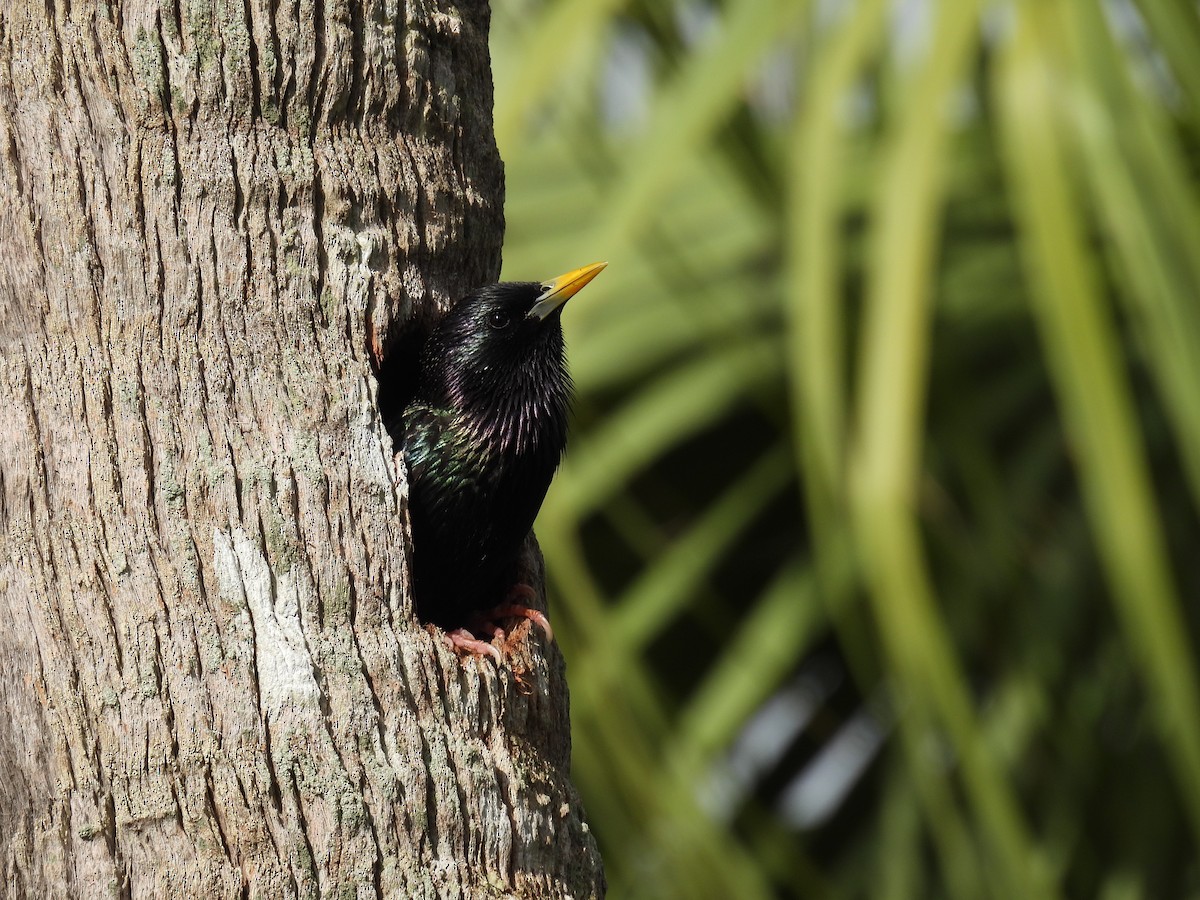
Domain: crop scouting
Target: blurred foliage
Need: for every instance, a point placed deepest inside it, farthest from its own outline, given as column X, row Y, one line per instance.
column 873, row 556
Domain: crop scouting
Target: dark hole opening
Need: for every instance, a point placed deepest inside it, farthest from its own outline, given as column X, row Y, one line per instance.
column 397, row 377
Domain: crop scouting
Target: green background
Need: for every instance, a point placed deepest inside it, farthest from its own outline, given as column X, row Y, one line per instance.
column 885, row 468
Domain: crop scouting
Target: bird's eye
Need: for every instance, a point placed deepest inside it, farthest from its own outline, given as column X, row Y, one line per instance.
column 499, row 319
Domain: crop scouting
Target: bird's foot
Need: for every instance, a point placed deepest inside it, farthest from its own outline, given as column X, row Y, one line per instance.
column 513, row 607
column 461, row 640
column 466, row 640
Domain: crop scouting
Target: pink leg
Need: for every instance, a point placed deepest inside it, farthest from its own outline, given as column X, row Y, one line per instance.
column 514, row 608
column 462, row 640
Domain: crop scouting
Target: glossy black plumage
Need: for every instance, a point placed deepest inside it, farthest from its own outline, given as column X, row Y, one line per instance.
column 483, row 435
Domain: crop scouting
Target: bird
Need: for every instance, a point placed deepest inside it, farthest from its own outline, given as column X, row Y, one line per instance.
column 483, row 434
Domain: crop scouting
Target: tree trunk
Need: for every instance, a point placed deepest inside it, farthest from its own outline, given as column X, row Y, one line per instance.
column 213, row 216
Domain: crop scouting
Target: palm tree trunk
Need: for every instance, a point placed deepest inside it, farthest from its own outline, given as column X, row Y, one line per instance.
column 214, row 216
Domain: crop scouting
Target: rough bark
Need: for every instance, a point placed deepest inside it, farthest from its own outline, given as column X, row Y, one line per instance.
column 213, row 216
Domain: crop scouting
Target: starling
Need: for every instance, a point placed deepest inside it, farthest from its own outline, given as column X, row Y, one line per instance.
column 483, row 434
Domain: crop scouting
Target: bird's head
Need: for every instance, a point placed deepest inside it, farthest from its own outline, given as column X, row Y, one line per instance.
column 499, row 352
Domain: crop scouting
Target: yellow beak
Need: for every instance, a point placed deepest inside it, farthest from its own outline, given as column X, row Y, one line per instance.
column 558, row 291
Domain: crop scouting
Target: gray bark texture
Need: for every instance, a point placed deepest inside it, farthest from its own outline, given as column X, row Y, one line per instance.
column 214, row 215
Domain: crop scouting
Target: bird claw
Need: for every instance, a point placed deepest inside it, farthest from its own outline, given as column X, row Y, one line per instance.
column 462, row 640
column 512, row 608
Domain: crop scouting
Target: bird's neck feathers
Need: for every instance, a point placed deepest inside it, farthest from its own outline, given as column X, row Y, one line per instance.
column 510, row 405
